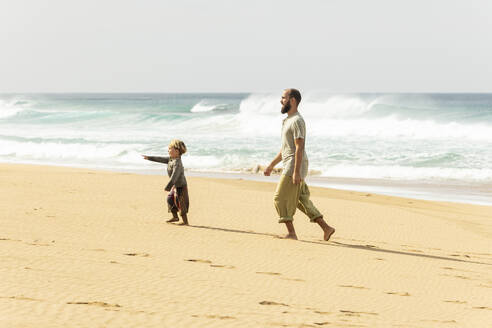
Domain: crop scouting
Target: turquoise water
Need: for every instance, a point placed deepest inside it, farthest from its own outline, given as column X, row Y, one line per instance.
column 435, row 138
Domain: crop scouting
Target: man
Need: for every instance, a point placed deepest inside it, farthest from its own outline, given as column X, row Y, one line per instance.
column 292, row 190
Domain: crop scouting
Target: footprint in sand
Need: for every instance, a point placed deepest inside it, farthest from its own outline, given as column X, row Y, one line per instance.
column 39, row 243
column 96, row 303
column 482, row 308
column 272, row 303
column 456, row 269
column 281, row 324
column 279, row 274
column 199, row 261
column 455, row 301
column 293, row 279
column 22, row 298
column 269, row 273
column 452, row 276
column 350, row 286
column 211, row 265
column 137, row 254
column 398, row 293
column 322, row 312
column 222, row 266
column 440, row 321
column 211, row 316
column 449, row 268
column 17, row 240
column 463, row 277
column 356, row 313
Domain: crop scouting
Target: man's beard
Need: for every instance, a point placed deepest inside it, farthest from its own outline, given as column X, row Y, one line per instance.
column 285, row 108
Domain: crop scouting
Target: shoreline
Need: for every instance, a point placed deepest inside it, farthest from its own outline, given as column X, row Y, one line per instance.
column 458, row 192
column 478, row 194
column 446, row 191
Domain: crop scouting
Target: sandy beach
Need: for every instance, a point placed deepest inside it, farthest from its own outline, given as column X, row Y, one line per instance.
column 84, row 248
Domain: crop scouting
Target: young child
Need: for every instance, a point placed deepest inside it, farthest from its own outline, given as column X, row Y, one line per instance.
column 177, row 200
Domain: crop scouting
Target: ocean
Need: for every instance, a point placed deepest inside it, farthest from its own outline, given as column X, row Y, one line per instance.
column 370, row 142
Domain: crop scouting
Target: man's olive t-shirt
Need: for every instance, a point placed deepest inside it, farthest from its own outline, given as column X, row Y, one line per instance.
column 293, row 127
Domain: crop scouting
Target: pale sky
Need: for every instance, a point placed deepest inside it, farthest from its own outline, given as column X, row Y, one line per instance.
column 245, row 46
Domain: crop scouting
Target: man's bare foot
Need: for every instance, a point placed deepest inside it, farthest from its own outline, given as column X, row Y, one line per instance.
column 328, row 232
column 172, row 220
column 183, row 223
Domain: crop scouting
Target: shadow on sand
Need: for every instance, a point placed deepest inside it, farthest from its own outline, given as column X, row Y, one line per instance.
column 369, row 248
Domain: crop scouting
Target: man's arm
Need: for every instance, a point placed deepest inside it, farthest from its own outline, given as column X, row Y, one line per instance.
column 275, row 161
column 296, row 177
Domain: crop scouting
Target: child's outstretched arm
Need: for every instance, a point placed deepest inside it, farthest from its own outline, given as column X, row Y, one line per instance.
column 178, row 170
column 163, row 159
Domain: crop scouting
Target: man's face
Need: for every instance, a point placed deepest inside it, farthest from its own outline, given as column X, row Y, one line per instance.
column 285, row 101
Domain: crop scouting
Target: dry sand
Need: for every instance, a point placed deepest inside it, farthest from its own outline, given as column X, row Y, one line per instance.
column 82, row 248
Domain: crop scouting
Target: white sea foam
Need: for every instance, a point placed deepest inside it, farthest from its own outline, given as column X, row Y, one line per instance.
column 403, row 137
column 312, row 105
column 340, row 116
column 260, row 104
column 62, row 151
column 204, row 106
column 408, row 173
column 9, row 108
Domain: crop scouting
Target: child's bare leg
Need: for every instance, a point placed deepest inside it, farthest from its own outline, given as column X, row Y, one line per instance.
column 185, row 219
column 328, row 231
column 175, row 216
column 291, row 230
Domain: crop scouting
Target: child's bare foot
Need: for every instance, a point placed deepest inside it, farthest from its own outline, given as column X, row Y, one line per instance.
column 172, row 220
column 328, row 232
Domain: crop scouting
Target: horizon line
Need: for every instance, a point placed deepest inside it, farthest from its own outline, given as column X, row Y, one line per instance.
column 239, row 92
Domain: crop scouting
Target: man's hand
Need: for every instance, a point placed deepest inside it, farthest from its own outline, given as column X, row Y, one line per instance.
column 145, row 157
column 296, row 178
column 275, row 161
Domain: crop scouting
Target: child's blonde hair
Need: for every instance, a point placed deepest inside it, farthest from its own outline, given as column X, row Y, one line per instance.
column 179, row 145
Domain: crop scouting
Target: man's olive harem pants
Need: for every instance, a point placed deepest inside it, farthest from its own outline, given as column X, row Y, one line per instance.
column 290, row 196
